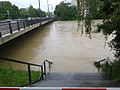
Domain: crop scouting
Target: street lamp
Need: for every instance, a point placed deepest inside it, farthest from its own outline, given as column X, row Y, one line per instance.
column 39, row 12
column 39, row 9
column 51, row 12
column 48, row 8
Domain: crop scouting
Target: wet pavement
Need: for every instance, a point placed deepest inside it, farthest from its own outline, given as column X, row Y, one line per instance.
column 60, row 43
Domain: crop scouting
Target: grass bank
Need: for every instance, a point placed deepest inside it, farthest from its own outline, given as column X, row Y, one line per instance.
column 14, row 78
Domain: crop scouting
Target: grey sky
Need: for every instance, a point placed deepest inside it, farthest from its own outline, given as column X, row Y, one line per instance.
column 34, row 3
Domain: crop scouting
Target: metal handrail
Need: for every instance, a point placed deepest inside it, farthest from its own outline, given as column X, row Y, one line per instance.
column 42, row 66
column 107, row 65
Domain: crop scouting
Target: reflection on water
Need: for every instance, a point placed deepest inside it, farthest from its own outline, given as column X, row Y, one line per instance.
column 60, row 43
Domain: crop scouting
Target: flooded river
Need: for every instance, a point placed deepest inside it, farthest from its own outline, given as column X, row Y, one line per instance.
column 60, row 43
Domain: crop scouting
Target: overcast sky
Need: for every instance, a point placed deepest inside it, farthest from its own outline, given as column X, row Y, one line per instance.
column 34, row 3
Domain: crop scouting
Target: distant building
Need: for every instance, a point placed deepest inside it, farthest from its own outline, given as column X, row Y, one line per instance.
column 74, row 2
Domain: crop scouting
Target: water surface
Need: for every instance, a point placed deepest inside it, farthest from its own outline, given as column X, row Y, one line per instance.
column 60, row 43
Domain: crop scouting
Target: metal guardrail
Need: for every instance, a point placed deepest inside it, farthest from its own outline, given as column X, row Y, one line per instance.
column 9, row 27
column 42, row 67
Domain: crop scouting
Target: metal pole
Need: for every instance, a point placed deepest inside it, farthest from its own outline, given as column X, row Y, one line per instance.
column 48, row 8
column 29, row 74
column 39, row 11
column 44, row 68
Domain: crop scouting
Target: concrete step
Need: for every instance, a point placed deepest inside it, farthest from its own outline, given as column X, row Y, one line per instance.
column 76, row 80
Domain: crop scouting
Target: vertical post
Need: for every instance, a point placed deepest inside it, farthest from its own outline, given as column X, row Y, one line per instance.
column 39, row 11
column 110, row 76
column 18, row 25
column 0, row 34
column 29, row 74
column 31, row 22
column 23, row 23
column 28, row 23
column 44, row 68
column 106, row 69
column 42, row 77
column 48, row 9
column 10, row 28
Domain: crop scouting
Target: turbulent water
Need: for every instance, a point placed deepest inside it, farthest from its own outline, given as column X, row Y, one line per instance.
column 60, row 43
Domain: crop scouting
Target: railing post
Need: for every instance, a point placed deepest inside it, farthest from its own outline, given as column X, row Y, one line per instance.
column 44, row 68
column 42, row 77
column 23, row 23
column 18, row 25
column 110, row 76
column 29, row 74
column 10, row 28
column 0, row 34
column 106, row 67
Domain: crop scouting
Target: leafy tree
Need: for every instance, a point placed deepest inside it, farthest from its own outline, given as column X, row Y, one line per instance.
column 33, row 12
column 24, row 13
column 65, row 11
column 111, row 23
column 7, row 10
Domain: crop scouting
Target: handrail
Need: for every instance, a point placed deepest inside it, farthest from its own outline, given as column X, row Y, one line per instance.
column 108, row 64
column 17, row 61
column 42, row 67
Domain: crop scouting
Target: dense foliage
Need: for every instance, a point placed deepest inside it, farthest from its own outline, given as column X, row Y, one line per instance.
column 110, row 11
column 65, row 11
column 111, row 23
column 9, row 11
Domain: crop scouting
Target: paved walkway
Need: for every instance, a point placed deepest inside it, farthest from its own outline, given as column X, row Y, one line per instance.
column 76, row 80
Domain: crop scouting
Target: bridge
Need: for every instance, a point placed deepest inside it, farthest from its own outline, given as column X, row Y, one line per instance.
column 14, row 28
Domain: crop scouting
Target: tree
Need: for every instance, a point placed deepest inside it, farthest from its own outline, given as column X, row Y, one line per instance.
column 32, row 12
column 111, row 23
column 7, row 10
column 65, row 11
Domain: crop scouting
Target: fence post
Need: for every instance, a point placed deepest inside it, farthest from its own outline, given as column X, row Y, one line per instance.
column 10, row 28
column 0, row 34
column 23, row 23
column 18, row 25
column 29, row 74
column 42, row 77
column 44, row 68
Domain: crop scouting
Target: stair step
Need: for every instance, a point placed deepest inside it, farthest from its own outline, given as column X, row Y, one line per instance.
column 75, row 76
column 76, row 80
column 75, row 83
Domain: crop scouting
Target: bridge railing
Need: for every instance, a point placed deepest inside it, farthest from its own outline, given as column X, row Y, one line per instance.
column 19, row 73
column 10, row 27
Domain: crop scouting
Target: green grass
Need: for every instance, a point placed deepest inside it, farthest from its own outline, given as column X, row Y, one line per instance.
column 14, row 78
column 115, row 70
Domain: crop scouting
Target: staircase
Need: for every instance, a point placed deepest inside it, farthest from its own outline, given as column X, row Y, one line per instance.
column 75, row 80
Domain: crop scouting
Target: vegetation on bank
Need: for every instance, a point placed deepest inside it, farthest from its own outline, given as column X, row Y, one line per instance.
column 110, row 11
column 14, row 78
column 115, row 72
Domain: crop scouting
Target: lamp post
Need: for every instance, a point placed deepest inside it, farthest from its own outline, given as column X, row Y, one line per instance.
column 51, row 6
column 39, row 11
column 48, row 9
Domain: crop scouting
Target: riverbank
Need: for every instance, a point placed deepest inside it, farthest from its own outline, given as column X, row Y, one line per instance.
column 15, row 78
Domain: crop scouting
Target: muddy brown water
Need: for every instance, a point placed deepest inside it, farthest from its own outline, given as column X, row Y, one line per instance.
column 60, row 43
